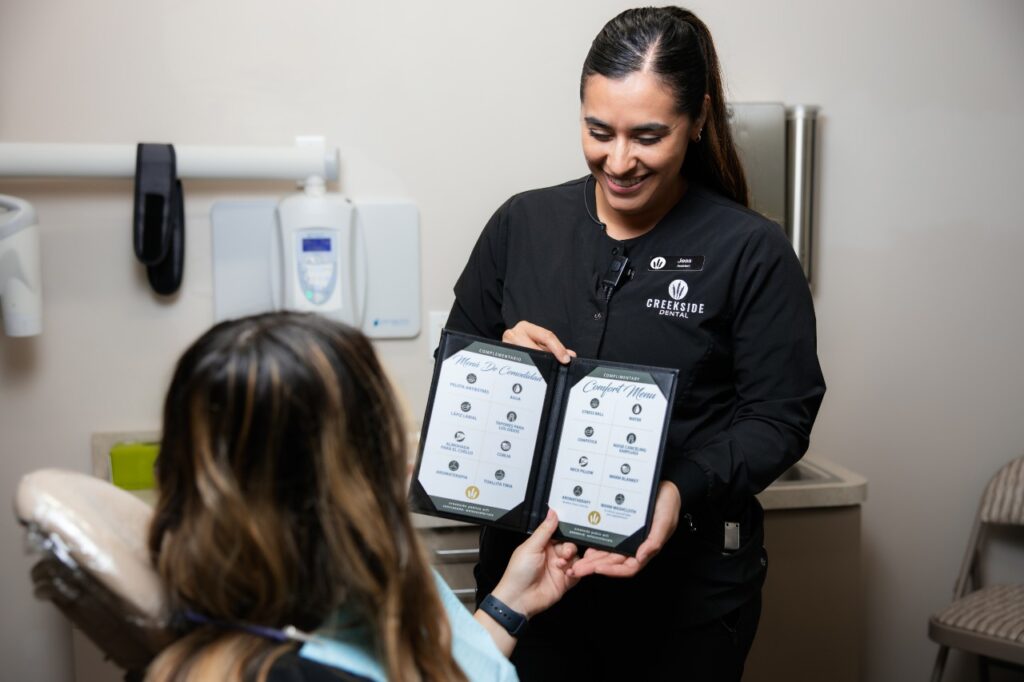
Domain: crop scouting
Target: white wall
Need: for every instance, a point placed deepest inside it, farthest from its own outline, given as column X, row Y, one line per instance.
column 460, row 104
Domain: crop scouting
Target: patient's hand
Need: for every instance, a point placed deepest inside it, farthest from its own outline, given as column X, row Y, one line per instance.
column 537, row 574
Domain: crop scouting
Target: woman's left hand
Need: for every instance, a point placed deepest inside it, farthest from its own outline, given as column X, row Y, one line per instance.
column 663, row 524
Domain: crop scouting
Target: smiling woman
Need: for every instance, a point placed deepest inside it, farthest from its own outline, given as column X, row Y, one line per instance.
column 634, row 141
column 713, row 290
column 655, row 84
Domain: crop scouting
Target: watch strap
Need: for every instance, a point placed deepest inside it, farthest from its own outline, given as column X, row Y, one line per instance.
column 511, row 620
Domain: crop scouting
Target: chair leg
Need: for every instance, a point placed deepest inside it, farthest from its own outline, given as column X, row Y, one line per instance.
column 982, row 669
column 940, row 663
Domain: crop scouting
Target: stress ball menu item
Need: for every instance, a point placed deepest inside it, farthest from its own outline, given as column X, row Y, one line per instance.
column 509, row 432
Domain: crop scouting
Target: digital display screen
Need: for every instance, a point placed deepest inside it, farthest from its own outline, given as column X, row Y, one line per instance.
column 316, row 244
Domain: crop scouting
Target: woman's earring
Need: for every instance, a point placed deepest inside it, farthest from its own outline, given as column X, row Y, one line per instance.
column 698, row 136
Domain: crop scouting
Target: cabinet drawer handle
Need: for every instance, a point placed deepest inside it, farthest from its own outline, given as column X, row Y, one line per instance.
column 464, row 554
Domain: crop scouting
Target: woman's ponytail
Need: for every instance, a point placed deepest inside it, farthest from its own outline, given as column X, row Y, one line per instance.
column 716, row 162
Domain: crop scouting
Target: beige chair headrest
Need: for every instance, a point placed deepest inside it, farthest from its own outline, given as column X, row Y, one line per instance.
column 102, row 527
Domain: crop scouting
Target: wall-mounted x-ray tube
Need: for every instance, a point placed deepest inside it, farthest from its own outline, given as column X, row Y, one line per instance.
column 21, row 302
column 801, row 124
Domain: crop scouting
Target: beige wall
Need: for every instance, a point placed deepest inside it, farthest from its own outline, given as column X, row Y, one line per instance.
column 458, row 105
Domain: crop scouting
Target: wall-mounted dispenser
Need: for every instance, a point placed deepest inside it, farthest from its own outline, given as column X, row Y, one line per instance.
column 776, row 146
column 21, row 298
column 801, row 130
column 315, row 249
column 356, row 261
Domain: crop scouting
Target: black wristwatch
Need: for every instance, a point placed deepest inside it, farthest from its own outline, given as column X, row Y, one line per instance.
column 512, row 621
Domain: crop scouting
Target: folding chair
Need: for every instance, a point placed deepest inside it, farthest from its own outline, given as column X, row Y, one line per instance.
column 985, row 620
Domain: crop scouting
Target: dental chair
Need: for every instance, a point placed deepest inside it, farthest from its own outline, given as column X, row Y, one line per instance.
column 90, row 540
column 93, row 564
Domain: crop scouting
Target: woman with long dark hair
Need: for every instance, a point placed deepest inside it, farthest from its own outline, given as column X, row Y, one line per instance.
column 282, row 512
column 713, row 289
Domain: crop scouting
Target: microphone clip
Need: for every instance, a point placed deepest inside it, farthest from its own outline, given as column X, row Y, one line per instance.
column 614, row 276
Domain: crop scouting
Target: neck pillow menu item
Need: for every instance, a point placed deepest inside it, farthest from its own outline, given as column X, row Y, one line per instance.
column 509, row 432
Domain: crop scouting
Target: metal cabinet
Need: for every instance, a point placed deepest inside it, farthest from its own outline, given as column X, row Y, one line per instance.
column 453, row 549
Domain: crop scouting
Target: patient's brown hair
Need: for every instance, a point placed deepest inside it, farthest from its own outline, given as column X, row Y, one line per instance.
column 281, row 477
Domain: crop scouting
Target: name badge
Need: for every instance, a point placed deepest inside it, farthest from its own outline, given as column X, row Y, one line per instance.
column 676, row 264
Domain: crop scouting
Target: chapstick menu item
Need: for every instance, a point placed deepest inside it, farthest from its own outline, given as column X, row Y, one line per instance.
column 509, row 432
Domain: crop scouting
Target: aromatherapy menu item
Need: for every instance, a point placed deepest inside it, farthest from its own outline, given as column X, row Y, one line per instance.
column 510, row 432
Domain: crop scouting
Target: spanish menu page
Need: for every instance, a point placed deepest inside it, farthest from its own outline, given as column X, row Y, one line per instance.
column 479, row 449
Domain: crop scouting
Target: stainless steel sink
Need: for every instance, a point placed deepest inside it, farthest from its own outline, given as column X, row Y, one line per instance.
column 805, row 472
column 815, row 482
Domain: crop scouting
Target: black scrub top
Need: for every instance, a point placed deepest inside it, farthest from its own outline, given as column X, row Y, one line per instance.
column 716, row 292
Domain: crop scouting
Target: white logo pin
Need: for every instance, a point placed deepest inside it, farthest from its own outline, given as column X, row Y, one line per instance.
column 677, row 289
column 657, row 263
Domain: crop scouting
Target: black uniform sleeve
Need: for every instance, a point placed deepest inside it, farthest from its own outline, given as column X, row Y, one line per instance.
column 478, row 291
column 779, row 385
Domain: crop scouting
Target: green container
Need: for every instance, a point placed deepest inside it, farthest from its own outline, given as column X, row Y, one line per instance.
column 131, row 465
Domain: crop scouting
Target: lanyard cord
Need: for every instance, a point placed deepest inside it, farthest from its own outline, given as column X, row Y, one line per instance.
column 586, row 204
column 288, row 633
column 618, row 269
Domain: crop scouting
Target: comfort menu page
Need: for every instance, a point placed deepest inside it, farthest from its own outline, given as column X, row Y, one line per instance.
column 607, row 455
column 483, row 431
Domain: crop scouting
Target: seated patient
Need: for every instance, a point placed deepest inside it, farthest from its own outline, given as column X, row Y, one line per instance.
column 282, row 507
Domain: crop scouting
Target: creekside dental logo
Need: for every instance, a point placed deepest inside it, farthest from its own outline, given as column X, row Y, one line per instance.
column 675, row 306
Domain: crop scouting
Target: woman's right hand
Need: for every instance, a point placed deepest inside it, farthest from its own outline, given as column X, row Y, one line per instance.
column 537, row 576
column 538, row 572
column 529, row 335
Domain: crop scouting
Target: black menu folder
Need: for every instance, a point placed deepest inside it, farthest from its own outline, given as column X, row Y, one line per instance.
column 510, row 431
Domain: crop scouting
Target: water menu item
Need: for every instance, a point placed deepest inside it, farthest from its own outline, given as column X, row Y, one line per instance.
column 510, row 431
